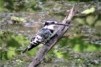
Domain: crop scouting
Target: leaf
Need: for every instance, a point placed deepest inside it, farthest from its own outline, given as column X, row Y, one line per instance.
column 20, row 39
column 80, row 20
column 91, row 19
column 11, row 52
column 88, row 11
column 91, row 48
column 18, row 19
column 77, row 47
column 58, row 54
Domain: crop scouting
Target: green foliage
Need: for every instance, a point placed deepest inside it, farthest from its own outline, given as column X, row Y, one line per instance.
column 17, row 20
column 20, row 5
column 58, row 53
column 80, row 20
column 1, row 5
column 89, row 11
column 32, row 5
column 15, row 5
column 11, row 52
column 80, row 0
column 10, row 44
column 78, row 45
column 91, row 19
column 79, row 49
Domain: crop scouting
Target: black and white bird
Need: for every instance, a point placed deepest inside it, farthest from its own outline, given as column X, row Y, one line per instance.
column 42, row 35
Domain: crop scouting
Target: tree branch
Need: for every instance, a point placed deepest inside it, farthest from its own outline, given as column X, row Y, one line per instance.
column 50, row 43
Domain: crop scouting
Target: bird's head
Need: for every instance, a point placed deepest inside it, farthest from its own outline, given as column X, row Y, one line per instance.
column 50, row 24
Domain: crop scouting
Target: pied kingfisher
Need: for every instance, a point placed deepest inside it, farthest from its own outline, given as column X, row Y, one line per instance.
column 42, row 35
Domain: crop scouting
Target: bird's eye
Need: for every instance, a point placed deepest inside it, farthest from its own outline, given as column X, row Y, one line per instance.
column 46, row 23
column 53, row 22
column 49, row 22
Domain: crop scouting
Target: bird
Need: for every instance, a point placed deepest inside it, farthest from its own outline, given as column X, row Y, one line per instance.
column 42, row 35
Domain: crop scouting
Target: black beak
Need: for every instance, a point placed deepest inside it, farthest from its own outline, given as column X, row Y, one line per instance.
column 61, row 24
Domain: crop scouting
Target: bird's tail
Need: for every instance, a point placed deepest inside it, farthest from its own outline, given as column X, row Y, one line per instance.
column 34, row 42
column 25, row 50
column 31, row 46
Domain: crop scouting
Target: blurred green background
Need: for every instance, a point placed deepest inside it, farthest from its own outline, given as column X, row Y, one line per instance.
column 79, row 47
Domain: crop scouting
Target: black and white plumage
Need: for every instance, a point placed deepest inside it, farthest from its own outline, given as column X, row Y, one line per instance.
column 42, row 35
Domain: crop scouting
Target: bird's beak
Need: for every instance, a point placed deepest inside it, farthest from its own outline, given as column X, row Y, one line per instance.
column 61, row 24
